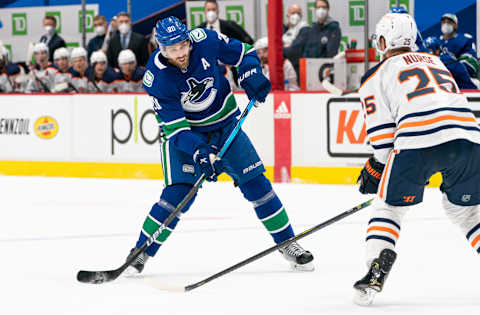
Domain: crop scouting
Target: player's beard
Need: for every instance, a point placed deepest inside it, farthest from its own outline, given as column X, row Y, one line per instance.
column 181, row 62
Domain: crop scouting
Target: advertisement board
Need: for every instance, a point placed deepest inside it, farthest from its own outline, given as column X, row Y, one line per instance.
column 23, row 25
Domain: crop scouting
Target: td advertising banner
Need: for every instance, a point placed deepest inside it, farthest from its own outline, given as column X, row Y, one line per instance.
column 23, row 25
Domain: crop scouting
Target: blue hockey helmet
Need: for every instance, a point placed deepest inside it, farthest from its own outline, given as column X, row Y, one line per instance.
column 398, row 10
column 170, row 31
column 433, row 43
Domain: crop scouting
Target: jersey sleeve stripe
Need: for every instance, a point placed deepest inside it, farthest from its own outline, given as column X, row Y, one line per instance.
column 380, row 127
column 172, row 128
column 389, row 135
column 382, row 146
column 453, row 109
column 430, row 131
column 435, row 120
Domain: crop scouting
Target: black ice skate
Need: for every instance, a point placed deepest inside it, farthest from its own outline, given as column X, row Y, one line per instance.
column 299, row 258
column 136, row 267
column 367, row 287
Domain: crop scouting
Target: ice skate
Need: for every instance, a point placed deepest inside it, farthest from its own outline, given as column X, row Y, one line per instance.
column 299, row 258
column 136, row 267
column 367, row 287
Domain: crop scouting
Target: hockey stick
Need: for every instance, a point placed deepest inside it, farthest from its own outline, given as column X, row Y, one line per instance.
column 98, row 277
column 278, row 246
column 335, row 90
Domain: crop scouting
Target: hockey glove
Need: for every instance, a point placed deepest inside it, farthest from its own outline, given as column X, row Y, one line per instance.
column 370, row 176
column 252, row 80
column 205, row 158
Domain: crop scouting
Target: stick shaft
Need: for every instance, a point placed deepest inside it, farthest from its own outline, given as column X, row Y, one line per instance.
column 280, row 245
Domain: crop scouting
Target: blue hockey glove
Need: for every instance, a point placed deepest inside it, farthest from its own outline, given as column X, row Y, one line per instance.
column 370, row 176
column 252, row 80
column 205, row 158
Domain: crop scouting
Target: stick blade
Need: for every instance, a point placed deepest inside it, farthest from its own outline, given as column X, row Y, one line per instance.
column 97, row 277
column 331, row 88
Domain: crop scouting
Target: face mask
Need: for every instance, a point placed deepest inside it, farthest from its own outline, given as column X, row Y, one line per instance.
column 100, row 30
column 321, row 13
column 294, row 19
column 447, row 28
column 49, row 29
column 124, row 28
column 211, row 16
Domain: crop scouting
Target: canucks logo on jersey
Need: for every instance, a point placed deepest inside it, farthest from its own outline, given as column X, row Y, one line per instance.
column 196, row 99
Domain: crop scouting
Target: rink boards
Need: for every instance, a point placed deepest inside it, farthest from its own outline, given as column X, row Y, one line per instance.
column 301, row 137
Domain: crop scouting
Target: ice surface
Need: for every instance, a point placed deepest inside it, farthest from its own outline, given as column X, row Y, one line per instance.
column 52, row 227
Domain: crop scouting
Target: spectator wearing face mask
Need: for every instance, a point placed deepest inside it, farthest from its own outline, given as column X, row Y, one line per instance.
column 51, row 38
column 100, row 28
column 322, row 40
column 460, row 45
column 294, row 24
column 101, row 77
column 291, row 82
column 79, row 69
column 126, row 39
column 228, row 28
column 130, row 76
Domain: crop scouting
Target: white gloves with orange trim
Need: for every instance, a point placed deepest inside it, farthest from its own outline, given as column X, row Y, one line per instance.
column 370, row 176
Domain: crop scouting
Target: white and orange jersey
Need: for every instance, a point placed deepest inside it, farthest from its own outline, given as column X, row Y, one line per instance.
column 411, row 101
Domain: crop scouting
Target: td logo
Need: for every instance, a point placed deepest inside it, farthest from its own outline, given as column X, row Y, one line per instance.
column 19, row 24
column 236, row 13
column 58, row 17
column 356, row 12
column 197, row 16
column 89, row 14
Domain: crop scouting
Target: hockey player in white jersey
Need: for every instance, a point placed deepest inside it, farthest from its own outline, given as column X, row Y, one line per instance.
column 130, row 75
column 42, row 75
column 61, row 59
column 418, row 123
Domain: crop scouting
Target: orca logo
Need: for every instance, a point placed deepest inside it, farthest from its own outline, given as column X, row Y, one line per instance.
column 194, row 100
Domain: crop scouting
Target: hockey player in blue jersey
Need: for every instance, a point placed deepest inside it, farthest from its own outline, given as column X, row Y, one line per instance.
column 456, row 68
column 197, row 110
column 460, row 45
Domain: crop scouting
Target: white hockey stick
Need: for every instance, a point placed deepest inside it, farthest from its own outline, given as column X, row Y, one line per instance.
column 335, row 90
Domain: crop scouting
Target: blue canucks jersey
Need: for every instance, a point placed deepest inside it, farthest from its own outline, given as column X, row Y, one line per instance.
column 463, row 48
column 458, row 70
column 199, row 99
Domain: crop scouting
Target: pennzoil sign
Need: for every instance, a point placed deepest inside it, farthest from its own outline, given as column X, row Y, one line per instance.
column 46, row 127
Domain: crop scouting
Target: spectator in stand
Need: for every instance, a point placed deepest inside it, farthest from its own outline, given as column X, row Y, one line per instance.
column 126, row 39
column 456, row 68
column 290, row 76
column 228, row 28
column 79, row 69
column 51, row 38
column 43, row 72
column 9, row 74
column 294, row 24
column 101, row 77
column 460, row 45
column 100, row 28
column 63, row 77
column 319, row 41
column 130, row 76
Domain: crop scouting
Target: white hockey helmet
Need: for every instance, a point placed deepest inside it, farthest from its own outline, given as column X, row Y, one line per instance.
column 61, row 52
column 398, row 29
column 126, row 56
column 98, row 56
column 40, row 47
column 262, row 43
column 78, row 52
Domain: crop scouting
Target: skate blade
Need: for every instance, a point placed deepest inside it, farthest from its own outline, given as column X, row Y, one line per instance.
column 364, row 297
column 303, row 268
